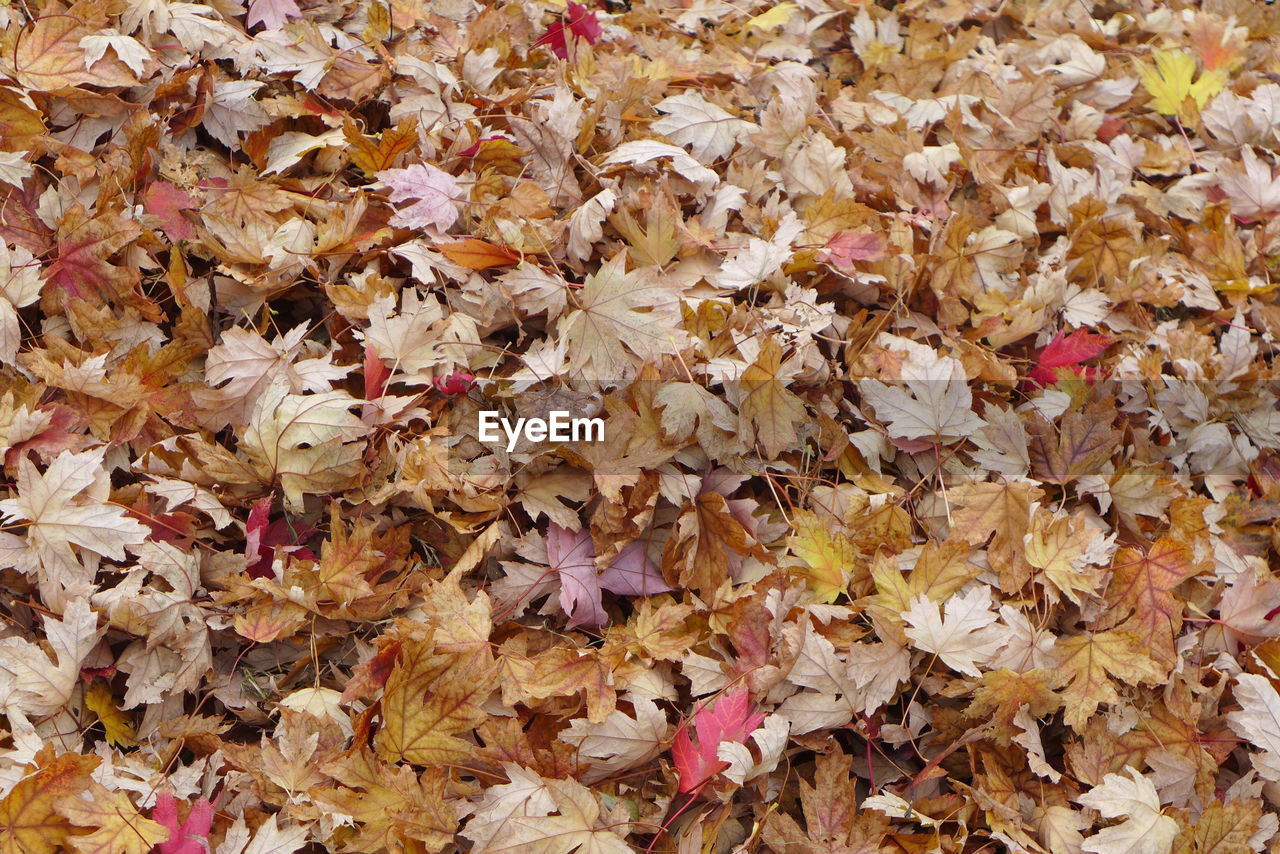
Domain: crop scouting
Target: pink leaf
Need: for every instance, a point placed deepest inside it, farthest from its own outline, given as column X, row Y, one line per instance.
column 1067, row 351
column 192, row 836
column 166, row 203
column 845, row 247
column 272, row 14
column 727, row 720
column 912, row 446
column 633, row 574
column 434, row 189
column 573, row 556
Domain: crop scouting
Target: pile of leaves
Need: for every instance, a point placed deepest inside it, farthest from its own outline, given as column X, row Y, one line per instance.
column 935, row 347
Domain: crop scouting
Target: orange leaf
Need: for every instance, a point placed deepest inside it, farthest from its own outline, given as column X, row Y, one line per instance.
column 475, row 254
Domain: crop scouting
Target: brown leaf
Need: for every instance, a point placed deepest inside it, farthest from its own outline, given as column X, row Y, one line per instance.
column 1083, row 442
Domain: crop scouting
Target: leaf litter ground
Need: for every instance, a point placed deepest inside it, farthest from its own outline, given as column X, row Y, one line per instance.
column 934, row 345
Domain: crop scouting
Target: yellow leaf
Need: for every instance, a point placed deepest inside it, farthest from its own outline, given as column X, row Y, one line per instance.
column 773, row 18
column 828, row 555
column 119, row 728
column 1170, row 82
column 559, row 672
column 390, row 804
column 939, row 572
column 1057, row 547
column 428, row 699
column 982, row 509
column 1089, row 662
column 28, row 822
column 120, row 828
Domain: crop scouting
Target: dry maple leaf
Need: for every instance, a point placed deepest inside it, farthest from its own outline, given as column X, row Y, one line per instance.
column 619, row 313
column 1259, row 721
column 310, row 443
column 710, row 132
column 429, row 699
column 769, row 412
column 434, row 191
column 244, row 365
column 619, row 742
column 576, row 828
column 1143, row 831
column 20, row 286
column 963, row 636
column 47, row 55
column 67, row 506
column 1141, row 590
column 1253, row 189
column 29, row 819
column 272, row 14
column 933, row 402
column 1088, row 664
column 389, row 803
column 119, row 827
column 833, row 823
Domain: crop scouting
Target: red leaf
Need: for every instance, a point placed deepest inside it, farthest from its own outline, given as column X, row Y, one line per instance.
column 88, row 674
column 262, row 538
column 254, row 528
column 458, row 382
column 57, row 436
column 728, row 719
column 190, row 837
column 166, row 203
column 376, row 374
column 582, row 23
column 1067, row 351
